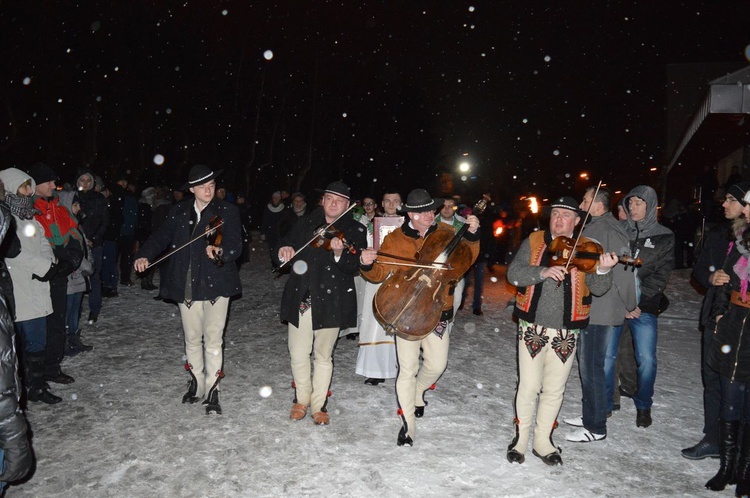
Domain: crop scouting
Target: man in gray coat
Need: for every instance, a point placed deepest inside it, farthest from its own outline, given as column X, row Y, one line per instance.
column 607, row 316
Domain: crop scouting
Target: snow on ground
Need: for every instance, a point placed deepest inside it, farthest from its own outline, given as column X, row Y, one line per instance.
column 123, row 431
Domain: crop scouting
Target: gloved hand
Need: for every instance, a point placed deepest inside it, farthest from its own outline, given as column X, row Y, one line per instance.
column 47, row 276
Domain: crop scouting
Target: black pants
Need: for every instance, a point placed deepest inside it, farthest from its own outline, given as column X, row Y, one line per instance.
column 55, row 350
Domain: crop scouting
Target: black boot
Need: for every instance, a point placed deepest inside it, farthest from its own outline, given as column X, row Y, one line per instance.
column 742, row 474
column 403, row 439
column 727, row 455
column 36, row 388
column 212, row 401
column 189, row 396
column 74, row 345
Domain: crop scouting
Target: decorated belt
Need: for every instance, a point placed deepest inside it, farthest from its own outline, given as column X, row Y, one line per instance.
column 737, row 299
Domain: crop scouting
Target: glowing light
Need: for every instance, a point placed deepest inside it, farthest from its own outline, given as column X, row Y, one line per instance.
column 498, row 231
column 533, row 205
column 652, row 169
column 29, row 230
column 268, row 55
column 265, row 391
column 464, row 167
column 158, row 159
column 584, row 175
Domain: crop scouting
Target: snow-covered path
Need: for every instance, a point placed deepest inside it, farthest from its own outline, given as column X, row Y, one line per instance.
column 122, row 430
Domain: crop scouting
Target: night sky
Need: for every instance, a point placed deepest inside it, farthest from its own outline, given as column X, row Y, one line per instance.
column 294, row 94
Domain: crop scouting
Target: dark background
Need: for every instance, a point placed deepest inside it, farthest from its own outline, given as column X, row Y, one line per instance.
column 375, row 93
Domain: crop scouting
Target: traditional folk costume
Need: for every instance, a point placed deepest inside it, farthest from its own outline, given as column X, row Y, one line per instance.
column 414, row 380
column 549, row 320
column 200, row 286
column 319, row 299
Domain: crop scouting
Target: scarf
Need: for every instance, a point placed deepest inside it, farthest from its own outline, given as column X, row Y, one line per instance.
column 21, row 206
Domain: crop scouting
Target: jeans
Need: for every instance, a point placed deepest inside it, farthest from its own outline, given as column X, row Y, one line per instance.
column 644, row 331
column 735, row 404
column 34, row 334
column 95, row 297
column 593, row 343
column 73, row 312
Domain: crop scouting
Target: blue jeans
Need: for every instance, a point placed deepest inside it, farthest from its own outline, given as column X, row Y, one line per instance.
column 644, row 331
column 34, row 334
column 73, row 312
column 593, row 343
column 735, row 404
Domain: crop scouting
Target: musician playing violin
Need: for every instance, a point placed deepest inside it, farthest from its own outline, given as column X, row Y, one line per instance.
column 550, row 317
column 195, row 280
column 606, row 318
column 417, row 233
column 319, row 297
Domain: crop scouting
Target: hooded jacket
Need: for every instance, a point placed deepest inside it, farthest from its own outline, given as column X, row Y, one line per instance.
column 78, row 280
column 654, row 244
column 32, row 296
column 94, row 206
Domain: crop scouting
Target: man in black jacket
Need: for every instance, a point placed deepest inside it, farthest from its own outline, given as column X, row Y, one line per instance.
column 94, row 221
column 709, row 273
column 201, row 278
column 319, row 297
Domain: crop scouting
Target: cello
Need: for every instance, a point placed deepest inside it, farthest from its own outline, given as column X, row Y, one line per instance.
column 410, row 302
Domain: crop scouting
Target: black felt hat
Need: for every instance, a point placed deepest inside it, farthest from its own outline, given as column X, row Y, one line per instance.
column 420, row 201
column 566, row 202
column 200, row 174
column 337, row 188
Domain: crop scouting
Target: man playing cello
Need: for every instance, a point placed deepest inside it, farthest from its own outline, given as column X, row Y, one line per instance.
column 417, row 233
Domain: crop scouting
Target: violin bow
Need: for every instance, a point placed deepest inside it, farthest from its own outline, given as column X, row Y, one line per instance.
column 320, row 231
column 580, row 232
column 183, row 246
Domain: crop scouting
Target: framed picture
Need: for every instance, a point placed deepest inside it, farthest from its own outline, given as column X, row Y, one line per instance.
column 382, row 226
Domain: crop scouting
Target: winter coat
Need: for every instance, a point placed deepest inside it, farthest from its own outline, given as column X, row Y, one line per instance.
column 730, row 349
column 96, row 219
column 14, row 440
column 329, row 283
column 269, row 225
column 654, row 244
column 60, row 230
column 711, row 258
column 610, row 308
column 78, row 280
column 31, row 295
column 208, row 280
column 552, row 305
column 406, row 241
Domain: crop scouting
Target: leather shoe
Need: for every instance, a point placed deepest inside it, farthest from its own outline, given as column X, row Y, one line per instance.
column 298, row 412
column 419, row 411
column 553, row 458
column 643, row 418
column 321, row 418
column 59, row 378
column 702, row 450
column 478, row 312
column 373, row 381
column 515, row 456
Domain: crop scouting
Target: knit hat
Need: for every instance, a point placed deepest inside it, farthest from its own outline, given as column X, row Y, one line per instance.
column 566, row 202
column 739, row 191
column 41, row 173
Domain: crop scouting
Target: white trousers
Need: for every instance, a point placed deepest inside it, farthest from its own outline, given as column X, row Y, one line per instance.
column 541, row 383
column 412, row 381
column 312, row 385
column 203, row 324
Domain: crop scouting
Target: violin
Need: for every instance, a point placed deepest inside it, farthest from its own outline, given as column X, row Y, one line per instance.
column 324, row 236
column 213, row 238
column 584, row 256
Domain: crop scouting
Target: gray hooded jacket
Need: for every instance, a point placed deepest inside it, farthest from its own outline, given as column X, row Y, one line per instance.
column 654, row 244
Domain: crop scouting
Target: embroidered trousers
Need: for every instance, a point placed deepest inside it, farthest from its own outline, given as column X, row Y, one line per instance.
column 203, row 324
column 545, row 358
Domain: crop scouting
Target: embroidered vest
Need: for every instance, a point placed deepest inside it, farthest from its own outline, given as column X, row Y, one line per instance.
column 577, row 303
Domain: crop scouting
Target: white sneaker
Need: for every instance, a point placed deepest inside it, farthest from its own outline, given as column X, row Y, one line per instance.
column 584, row 436
column 575, row 421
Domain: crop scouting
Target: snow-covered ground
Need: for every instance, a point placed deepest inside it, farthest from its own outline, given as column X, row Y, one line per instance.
column 123, row 431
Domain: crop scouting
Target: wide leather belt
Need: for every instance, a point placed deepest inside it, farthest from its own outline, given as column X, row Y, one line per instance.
column 737, row 299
